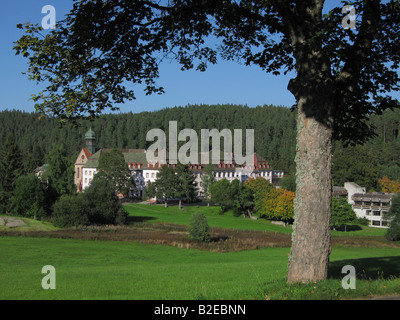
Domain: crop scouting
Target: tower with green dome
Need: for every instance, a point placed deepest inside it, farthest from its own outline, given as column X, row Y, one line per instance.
column 90, row 138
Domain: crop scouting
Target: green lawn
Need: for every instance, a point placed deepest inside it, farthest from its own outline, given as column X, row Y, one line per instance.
column 158, row 214
column 90, row 269
column 127, row 270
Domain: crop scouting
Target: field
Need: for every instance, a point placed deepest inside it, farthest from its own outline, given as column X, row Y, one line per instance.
column 153, row 259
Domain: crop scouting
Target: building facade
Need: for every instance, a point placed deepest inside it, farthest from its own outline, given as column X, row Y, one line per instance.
column 144, row 171
column 370, row 205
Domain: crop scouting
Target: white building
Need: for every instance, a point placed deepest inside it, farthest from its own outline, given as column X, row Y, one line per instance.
column 144, row 171
column 373, row 205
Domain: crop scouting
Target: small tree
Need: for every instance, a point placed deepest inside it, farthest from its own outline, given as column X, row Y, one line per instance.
column 342, row 212
column 185, row 187
column 199, row 229
column 393, row 233
column 166, row 184
column 259, row 187
column 207, row 179
column 220, row 194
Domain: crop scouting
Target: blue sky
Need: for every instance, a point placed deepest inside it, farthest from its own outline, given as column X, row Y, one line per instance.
column 225, row 82
column 221, row 83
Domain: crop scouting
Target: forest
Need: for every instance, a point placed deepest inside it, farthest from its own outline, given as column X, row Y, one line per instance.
column 274, row 127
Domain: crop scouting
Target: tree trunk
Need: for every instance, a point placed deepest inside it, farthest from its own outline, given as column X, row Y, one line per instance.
column 180, row 204
column 311, row 238
column 165, row 204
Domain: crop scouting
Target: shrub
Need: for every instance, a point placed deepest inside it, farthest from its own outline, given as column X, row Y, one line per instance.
column 199, row 229
column 70, row 211
column 98, row 204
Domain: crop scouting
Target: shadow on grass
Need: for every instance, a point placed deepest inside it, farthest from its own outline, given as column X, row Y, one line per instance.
column 367, row 268
column 348, row 227
column 136, row 219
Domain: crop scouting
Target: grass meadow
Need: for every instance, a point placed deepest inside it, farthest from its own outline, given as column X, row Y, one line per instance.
column 116, row 263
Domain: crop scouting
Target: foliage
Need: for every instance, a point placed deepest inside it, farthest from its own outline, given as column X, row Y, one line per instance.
column 11, row 167
column 389, row 186
column 274, row 139
column 260, row 188
column 166, row 184
column 288, row 183
column 220, row 194
column 342, row 212
column 207, row 179
column 199, row 229
column 393, row 233
column 278, row 204
column 186, row 187
column 113, row 168
column 98, row 204
column 70, row 210
column 60, row 170
column 28, row 198
column 149, row 191
column 355, row 164
column 232, row 195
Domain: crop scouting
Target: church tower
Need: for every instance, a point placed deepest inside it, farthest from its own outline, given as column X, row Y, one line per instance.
column 90, row 138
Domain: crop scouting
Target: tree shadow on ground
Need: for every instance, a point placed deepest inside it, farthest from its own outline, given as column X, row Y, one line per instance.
column 348, row 227
column 136, row 219
column 367, row 268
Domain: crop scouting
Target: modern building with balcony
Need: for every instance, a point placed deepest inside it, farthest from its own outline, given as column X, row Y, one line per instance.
column 370, row 205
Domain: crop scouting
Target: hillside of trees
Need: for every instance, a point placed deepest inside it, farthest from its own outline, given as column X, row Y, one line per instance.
column 274, row 127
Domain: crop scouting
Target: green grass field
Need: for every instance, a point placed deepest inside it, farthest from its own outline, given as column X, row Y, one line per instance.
column 128, row 270
column 172, row 214
column 98, row 269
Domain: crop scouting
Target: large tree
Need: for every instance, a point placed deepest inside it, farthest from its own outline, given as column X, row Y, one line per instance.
column 115, row 170
column 341, row 75
column 60, row 171
column 186, row 187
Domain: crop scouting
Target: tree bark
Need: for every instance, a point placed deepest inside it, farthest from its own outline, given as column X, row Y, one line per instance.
column 311, row 238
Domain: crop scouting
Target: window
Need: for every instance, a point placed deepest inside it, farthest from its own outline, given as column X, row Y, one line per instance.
column 85, row 172
column 376, row 213
column 147, row 174
column 85, row 180
column 90, row 173
column 152, row 174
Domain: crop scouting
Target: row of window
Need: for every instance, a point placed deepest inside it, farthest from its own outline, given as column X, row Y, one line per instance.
column 373, row 203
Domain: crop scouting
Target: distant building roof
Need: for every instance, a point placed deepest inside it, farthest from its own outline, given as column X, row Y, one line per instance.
column 339, row 191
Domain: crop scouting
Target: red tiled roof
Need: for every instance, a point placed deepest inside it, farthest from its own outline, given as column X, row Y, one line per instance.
column 87, row 153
